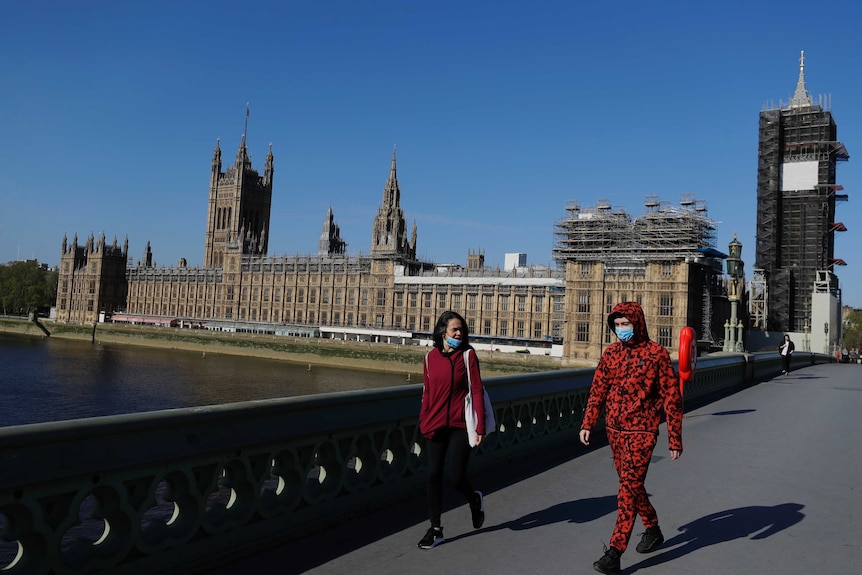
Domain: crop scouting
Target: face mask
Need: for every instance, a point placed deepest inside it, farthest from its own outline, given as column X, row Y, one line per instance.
column 452, row 342
column 625, row 333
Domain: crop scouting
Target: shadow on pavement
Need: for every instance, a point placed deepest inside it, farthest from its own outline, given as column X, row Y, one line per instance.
column 301, row 554
column 722, row 413
column 734, row 412
column 578, row 511
column 755, row 522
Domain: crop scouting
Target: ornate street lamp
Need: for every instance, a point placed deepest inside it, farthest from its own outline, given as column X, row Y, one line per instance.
column 733, row 328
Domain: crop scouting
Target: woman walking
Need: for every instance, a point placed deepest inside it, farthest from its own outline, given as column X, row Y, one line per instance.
column 442, row 422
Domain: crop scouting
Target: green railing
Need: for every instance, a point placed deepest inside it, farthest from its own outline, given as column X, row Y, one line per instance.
column 179, row 490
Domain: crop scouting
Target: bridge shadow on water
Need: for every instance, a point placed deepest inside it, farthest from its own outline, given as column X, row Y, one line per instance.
column 754, row 522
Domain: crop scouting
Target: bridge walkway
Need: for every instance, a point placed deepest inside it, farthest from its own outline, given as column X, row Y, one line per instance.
column 769, row 482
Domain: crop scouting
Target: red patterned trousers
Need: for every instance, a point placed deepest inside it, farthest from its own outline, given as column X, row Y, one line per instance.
column 632, row 452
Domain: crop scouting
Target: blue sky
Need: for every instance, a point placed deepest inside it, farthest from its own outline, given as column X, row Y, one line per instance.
column 501, row 111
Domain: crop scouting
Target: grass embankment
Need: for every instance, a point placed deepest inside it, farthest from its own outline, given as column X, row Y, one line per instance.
column 352, row 354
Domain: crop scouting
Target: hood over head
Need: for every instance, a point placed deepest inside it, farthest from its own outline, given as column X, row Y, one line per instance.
column 635, row 314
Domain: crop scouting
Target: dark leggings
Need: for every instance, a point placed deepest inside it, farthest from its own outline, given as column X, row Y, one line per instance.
column 447, row 443
column 785, row 362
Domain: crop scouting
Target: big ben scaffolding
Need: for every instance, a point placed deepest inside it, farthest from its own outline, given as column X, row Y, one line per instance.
column 796, row 195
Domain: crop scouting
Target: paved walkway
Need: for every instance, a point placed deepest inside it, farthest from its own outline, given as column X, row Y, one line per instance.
column 769, row 483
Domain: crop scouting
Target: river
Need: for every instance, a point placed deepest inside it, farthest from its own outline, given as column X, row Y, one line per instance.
column 51, row 379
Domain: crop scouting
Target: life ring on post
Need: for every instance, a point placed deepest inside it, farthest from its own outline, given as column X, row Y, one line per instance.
column 687, row 355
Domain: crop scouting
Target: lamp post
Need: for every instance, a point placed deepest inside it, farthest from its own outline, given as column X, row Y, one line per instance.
column 826, row 337
column 733, row 328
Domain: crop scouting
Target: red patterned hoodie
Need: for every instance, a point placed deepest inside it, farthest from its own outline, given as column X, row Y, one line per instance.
column 444, row 390
column 635, row 383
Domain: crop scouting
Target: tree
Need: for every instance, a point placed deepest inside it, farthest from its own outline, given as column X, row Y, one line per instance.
column 26, row 287
column 853, row 330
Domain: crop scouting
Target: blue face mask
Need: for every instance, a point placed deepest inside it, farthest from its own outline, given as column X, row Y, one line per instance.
column 625, row 333
column 452, row 342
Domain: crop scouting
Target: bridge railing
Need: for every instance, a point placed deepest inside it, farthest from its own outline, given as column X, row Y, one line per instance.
column 178, row 490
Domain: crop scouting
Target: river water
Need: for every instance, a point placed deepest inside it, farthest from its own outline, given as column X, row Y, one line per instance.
column 51, row 379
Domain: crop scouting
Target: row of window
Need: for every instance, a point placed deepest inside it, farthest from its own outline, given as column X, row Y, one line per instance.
column 666, row 268
column 536, row 305
column 72, row 307
column 412, row 323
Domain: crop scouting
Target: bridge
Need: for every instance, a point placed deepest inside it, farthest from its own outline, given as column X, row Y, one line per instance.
column 768, row 483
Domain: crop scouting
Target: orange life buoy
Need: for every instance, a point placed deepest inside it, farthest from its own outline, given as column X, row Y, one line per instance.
column 687, row 355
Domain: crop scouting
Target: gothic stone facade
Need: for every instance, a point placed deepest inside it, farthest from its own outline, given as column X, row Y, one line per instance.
column 387, row 289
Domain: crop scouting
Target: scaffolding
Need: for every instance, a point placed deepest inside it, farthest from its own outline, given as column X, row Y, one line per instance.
column 795, row 218
column 757, row 307
column 625, row 246
column 663, row 232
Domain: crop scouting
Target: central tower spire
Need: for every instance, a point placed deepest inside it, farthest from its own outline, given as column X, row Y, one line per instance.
column 391, row 193
column 801, row 98
column 389, row 236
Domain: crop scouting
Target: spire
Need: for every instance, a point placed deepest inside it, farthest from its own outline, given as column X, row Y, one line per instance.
column 242, row 159
column 268, row 167
column 245, row 130
column 801, row 98
column 391, row 193
column 148, row 256
column 217, row 154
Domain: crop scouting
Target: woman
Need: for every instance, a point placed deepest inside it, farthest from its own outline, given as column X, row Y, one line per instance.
column 441, row 419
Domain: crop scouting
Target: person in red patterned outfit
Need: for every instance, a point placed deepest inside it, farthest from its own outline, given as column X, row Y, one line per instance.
column 634, row 383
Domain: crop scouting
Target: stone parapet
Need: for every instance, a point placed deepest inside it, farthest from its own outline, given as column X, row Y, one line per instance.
column 180, row 490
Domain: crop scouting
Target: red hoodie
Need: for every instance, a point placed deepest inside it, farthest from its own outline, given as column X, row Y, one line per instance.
column 635, row 383
column 444, row 390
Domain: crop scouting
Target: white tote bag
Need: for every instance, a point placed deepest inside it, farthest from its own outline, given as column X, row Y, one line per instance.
column 470, row 413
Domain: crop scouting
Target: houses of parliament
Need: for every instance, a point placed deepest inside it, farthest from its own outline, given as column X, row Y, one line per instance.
column 665, row 259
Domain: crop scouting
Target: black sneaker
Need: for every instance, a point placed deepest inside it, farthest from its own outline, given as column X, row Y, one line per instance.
column 651, row 540
column 477, row 509
column 609, row 564
column 433, row 538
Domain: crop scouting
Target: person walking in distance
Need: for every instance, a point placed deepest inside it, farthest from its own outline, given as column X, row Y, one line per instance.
column 786, row 350
column 442, row 422
column 634, row 383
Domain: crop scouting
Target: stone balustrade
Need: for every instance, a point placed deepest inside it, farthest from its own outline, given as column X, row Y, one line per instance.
column 180, row 490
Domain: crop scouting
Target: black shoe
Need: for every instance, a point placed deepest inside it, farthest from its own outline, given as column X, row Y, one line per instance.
column 651, row 540
column 477, row 509
column 609, row 564
column 433, row 538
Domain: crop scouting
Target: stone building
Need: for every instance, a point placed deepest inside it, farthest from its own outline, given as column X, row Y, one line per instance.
column 664, row 259
column 92, row 279
column 390, row 295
